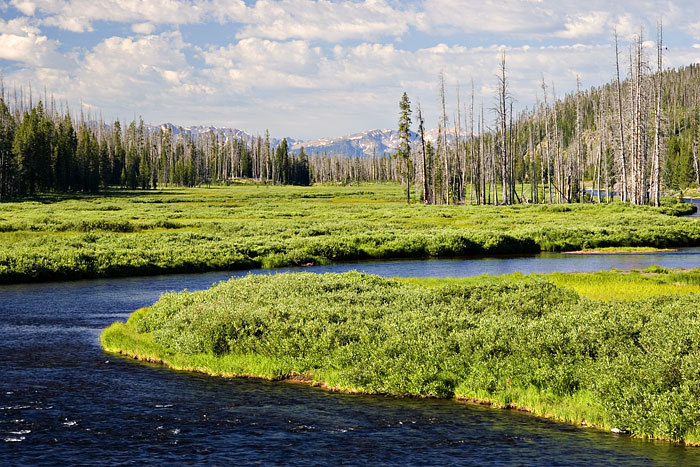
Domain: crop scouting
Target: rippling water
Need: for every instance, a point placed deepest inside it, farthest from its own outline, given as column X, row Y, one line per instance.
column 63, row 400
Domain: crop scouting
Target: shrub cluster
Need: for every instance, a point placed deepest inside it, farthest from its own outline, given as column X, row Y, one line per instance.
column 634, row 365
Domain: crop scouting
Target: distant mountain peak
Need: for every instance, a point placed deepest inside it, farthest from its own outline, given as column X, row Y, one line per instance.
column 375, row 142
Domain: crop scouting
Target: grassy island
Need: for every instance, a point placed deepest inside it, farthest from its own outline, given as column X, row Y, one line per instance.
column 572, row 347
column 123, row 233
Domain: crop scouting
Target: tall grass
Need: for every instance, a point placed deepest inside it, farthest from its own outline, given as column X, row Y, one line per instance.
column 179, row 230
column 514, row 341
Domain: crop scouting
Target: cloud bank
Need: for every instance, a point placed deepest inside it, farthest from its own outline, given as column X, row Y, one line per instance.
column 314, row 68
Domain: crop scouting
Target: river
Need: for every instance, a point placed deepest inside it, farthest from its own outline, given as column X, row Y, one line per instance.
column 64, row 401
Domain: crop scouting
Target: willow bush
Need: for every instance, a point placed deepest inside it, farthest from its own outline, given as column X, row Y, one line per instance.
column 519, row 341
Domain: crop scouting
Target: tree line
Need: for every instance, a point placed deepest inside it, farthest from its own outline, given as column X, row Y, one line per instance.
column 44, row 149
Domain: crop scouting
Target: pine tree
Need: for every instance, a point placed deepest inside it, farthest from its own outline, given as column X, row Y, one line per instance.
column 403, row 153
column 8, row 168
column 282, row 162
column 64, row 156
column 32, row 148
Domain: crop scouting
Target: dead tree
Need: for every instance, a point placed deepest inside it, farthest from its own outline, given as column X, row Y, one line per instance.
column 623, row 160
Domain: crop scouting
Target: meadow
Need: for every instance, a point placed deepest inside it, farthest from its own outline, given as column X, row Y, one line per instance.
column 566, row 346
column 124, row 233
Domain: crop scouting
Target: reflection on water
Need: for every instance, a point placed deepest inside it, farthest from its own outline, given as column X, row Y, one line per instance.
column 63, row 400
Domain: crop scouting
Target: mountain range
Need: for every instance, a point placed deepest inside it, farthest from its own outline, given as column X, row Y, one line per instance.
column 365, row 144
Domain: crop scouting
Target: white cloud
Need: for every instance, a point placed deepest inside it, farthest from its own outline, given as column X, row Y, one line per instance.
column 263, row 64
column 595, row 23
column 79, row 15
column 137, row 75
column 310, row 68
column 284, row 19
column 324, row 20
column 25, row 6
column 21, row 26
column 143, row 28
column 494, row 16
column 693, row 29
column 30, row 49
column 21, row 41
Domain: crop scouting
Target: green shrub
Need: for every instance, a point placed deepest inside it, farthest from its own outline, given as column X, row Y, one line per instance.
column 634, row 364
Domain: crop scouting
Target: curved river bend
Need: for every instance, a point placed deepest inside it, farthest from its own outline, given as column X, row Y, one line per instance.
column 63, row 400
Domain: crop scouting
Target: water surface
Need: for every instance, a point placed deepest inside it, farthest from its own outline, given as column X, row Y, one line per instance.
column 63, row 400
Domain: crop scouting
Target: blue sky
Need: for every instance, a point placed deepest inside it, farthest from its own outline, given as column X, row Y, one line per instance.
column 314, row 68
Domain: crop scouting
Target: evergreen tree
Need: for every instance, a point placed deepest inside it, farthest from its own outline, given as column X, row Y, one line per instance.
column 8, row 169
column 105, row 171
column 131, row 167
column 303, row 176
column 282, row 159
column 117, row 155
column 246, row 160
column 403, row 153
column 88, row 157
column 32, row 148
column 64, row 156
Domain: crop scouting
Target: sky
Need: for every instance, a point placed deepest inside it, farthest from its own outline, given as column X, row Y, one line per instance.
column 308, row 69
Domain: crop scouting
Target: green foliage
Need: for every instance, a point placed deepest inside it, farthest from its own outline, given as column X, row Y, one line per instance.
column 519, row 341
column 243, row 226
column 32, row 148
column 8, row 165
column 404, row 150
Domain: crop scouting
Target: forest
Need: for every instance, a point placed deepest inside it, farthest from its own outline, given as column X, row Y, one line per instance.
column 633, row 139
column 45, row 150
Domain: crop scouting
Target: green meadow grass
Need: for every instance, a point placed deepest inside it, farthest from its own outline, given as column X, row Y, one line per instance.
column 564, row 346
column 120, row 233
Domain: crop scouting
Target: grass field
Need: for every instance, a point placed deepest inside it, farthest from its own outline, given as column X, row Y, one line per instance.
column 608, row 349
column 220, row 228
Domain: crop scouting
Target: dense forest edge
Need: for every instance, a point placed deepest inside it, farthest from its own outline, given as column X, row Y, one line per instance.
column 61, row 237
column 570, row 348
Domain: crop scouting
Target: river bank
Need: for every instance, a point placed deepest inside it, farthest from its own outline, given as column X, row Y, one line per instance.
column 599, row 361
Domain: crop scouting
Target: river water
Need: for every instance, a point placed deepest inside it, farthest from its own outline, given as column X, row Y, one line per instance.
column 695, row 202
column 64, row 401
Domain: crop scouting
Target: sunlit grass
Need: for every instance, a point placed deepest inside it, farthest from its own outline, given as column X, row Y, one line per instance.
column 176, row 230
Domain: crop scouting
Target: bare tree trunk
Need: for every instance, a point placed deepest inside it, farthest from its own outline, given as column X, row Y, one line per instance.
column 482, row 155
column 623, row 164
column 600, row 149
column 421, row 131
column 446, row 175
column 471, row 149
column 548, row 140
column 531, row 165
column 558, row 154
column 502, row 115
column 656, row 161
column 695, row 141
column 461, row 160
